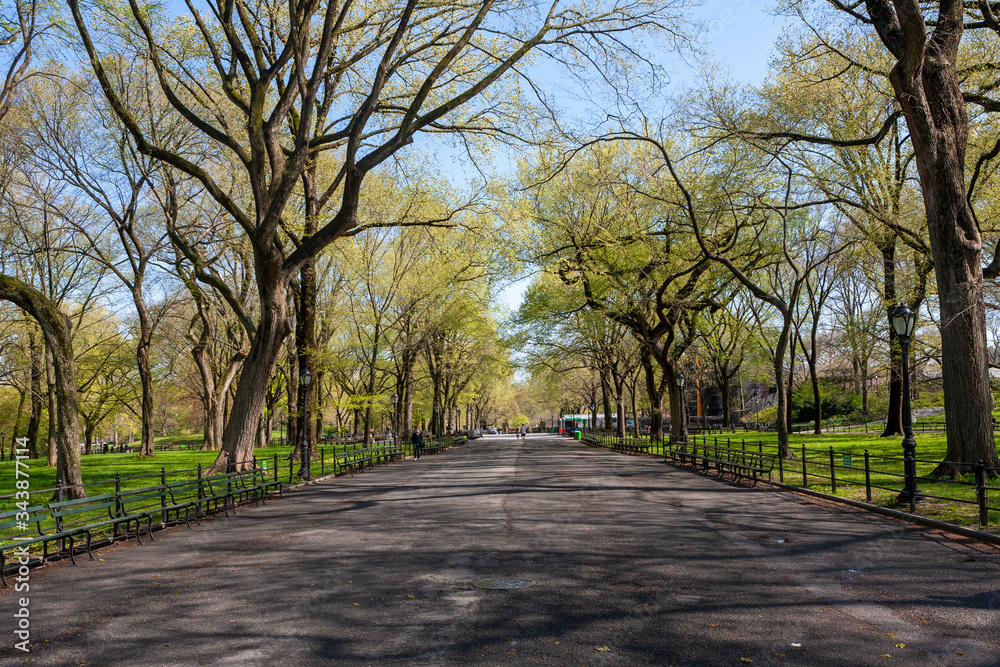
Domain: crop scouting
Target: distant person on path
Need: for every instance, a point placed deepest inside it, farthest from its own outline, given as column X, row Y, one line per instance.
column 418, row 443
column 524, row 431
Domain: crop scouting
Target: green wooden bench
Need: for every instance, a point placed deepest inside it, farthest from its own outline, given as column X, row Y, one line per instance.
column 28, row 522
column 220, row 488
column 258, row 480
column 156, row 500
column 87, row 515
column 66, row 521
column 634, row 446
column 739, row 463
column 367, row 457
column 436, row 446
column 748, row 464
column 186, row 496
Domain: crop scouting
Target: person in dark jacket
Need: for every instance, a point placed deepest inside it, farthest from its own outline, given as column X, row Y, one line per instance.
column 418, row 443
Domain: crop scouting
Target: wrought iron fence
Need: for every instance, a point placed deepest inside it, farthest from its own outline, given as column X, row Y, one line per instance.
column 859, row 475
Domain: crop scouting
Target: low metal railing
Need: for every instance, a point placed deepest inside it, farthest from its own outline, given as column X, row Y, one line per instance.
column 859, row 475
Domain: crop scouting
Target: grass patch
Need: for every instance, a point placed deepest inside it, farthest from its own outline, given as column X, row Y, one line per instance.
column 99, row 471
column 139, row 472
column 946, row 500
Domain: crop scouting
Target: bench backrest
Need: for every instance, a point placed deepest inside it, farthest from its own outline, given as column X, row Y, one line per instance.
column 134, row 501
column 25, row 522
column 83, row 510
column 185, row 490
column 227, row 479
column 255, row 477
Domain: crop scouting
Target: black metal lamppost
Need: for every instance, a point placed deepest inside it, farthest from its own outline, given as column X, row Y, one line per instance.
column 683, row 430
column 304, row 379
column 3, row 444
column 903, row 320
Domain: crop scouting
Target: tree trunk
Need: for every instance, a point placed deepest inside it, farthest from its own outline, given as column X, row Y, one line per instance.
column 368, row 424
column 209, row 396
column 318, row 409
column 865, row 391
column 725, row 388
column 145, row 374
column 248, row 403
column 35, row 421
column 408, row 387
column 606, row 396
column 791, row 381
column 208, row 443
column 926, row 85
column 784, row 451
column 50, row 384
column 305, row 339
column 292, row 398
column 635, row 412
column 894, row 415
column 57, row 330
column 814, row 378
column 17, row 420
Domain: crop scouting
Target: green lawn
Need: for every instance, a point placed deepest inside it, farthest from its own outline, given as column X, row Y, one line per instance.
column 99, row 471
column 954, row 502
column 138, row 472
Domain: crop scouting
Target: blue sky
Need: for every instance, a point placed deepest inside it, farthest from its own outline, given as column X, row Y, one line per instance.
column 741, row 36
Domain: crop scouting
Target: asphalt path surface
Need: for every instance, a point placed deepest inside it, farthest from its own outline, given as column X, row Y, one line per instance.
column 624, row 560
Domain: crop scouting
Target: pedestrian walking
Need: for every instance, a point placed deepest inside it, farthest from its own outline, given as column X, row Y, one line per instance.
column 524, row 431
column 418, row 443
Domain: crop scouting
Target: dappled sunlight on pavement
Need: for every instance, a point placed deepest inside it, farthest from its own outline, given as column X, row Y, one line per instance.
column 624, row 560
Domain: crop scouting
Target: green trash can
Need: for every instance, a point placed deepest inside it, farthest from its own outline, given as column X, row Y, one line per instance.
column 577, row 434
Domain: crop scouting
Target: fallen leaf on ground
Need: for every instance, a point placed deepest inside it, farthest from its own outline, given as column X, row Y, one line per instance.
column 601, row 648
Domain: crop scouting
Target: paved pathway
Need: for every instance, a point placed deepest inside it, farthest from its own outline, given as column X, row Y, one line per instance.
column 631, row 562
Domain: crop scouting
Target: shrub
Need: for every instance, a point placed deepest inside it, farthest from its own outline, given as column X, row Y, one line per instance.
column 835, row 401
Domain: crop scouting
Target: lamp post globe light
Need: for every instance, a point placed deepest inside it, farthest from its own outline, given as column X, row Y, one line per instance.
column 305, row 378
column 903, row 319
